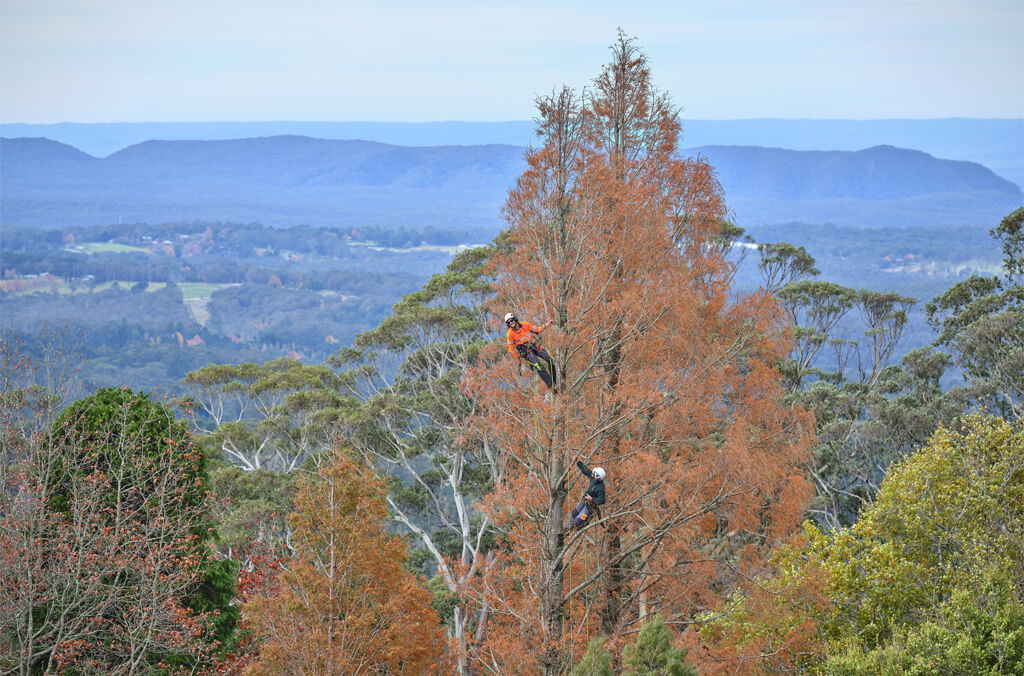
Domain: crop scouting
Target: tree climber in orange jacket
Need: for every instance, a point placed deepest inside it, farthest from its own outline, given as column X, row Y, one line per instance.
column 521, row 344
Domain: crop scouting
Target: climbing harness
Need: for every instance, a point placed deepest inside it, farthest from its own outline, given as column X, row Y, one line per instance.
column 526, row 350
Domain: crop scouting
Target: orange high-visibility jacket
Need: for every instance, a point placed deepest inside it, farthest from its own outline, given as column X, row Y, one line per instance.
column 523, row 335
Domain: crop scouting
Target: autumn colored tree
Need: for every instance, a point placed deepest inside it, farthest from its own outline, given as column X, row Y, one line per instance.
column 406, row 416
column 105, row 535
column 259, row 565
column 668, row 383
column 344, row 603
column 395, row 398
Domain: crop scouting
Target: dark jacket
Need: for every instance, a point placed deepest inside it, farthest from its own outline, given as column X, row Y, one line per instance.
column 596, row 488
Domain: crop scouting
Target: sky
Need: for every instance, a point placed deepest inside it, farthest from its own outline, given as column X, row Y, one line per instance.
column 430, row 60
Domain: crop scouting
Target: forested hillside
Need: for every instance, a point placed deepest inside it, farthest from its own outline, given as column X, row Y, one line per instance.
column 996, row 143
column 146, row 304
column 621, row 436
column 289, row 180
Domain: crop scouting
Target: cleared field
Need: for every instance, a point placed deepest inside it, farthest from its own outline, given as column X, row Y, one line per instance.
column 328, row 293
column 103, row 286
column 190, row 291
column 200, row 290
column 105, row 247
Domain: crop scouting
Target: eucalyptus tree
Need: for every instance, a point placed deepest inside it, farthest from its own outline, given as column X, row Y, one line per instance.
column 274, row 415
column 395, row 398
column 869, row 411
column 406, row 417
column 981, row 319
column 781, row 263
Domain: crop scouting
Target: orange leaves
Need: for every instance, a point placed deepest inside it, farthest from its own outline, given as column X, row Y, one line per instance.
column 669, row 382
column 344, row 604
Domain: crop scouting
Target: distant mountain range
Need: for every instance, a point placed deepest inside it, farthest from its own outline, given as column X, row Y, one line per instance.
column 288, row 180
column 996, row 143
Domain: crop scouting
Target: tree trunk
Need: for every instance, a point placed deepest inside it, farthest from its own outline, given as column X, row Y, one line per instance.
column 611, row 581
column 554, row 564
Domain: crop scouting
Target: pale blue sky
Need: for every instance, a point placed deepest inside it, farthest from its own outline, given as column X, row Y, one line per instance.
column 258, row 60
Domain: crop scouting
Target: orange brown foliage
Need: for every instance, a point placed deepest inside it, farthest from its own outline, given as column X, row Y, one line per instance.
column 668, row 383
column 344, row 604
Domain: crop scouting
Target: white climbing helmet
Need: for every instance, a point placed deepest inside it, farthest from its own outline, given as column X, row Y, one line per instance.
column 509, row 316
column 598, row 474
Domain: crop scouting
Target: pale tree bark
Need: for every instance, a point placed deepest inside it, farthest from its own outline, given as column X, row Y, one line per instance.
column 410, row 426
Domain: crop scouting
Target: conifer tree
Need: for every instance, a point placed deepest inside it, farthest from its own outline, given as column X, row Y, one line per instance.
column 667, row 381
column 653, row 653
column 596, row 661
column 345, row 604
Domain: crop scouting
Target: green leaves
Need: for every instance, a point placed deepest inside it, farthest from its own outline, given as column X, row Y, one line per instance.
column 1011, row 233
column 927, row 581
column 596, row 661
column 653, row 653
column 944, row 517
column 783, row 264
column 273, row 415
column 981, row 319
column 979, row 630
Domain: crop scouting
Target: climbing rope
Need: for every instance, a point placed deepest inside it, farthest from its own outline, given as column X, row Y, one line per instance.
column 568, row 610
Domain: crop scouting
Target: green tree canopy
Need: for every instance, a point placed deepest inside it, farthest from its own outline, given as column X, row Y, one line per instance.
column 930, row 558
column 653, row 653
column 981, row 319
column 106, row 545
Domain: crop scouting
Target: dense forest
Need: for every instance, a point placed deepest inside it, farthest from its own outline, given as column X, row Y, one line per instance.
column 803, row 468
column 282, row 180
column 148, row 303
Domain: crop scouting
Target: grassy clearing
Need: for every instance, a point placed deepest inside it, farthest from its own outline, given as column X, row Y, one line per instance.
column 105, row 247
column 330, row 293
column 200, row 290
column 190, row 291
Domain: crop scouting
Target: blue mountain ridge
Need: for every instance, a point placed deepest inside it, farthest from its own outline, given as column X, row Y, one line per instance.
column 287, row 180
column 995, row 143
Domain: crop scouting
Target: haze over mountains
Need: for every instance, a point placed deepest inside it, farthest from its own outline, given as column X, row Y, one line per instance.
column 996, row 143
column 289, row 180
